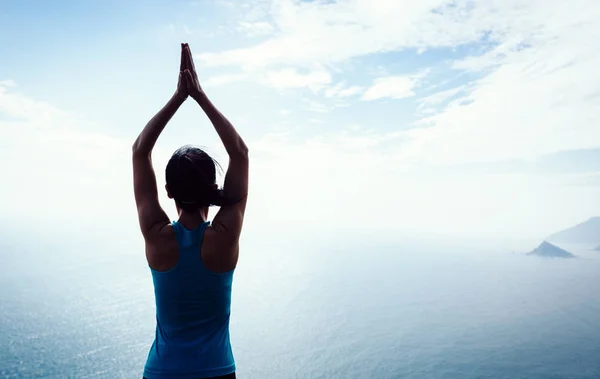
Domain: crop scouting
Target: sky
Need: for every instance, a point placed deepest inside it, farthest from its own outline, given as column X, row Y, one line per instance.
column 477, row 120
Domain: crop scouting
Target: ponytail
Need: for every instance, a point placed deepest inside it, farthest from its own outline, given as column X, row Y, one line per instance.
column 212, row 196
column 191, row 178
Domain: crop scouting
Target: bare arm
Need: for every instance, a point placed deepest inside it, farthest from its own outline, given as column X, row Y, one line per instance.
column 144, row 144
column 236, row 181
column 152, row 217
column 228, row 221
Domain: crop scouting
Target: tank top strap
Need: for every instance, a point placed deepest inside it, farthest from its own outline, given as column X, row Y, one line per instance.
column 199, row 232
column 189, row 241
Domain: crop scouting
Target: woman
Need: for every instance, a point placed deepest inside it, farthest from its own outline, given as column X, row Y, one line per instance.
column 191, row 260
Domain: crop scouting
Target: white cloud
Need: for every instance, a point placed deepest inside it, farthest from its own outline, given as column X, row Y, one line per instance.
column 290, row 78
column 310, row 32
column 315, row 106
column 340, row 174
column 441, row 96
column 219, row 80
column 537, row 67
column 430, row 105
column 7, row 83
column 537, row 100
column 536, row 92
column 65, row 173
column 253, row 29
column 53, row 169
column 342, row 90
column 21, row 107
column 394, row 87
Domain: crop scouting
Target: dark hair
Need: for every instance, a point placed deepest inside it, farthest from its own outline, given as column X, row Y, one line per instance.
column 191, row 178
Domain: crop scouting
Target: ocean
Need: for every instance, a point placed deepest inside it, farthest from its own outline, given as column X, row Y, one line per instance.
column 86, row 311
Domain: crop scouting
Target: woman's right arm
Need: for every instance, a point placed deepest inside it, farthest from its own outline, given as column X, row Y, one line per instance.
column 236, row 178
column 228, row 221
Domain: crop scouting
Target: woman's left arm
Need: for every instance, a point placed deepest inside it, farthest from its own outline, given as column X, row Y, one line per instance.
column 151, row 216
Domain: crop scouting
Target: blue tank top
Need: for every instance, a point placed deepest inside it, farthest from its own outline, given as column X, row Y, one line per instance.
column 193, row 306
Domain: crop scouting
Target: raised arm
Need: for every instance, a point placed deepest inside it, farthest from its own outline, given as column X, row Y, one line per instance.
column 228, row 221
column 152, row 217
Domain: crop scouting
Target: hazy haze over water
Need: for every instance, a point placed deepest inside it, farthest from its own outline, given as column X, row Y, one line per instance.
column 403, row 312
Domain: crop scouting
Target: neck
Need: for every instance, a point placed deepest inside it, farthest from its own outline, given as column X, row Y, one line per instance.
column 191, row 220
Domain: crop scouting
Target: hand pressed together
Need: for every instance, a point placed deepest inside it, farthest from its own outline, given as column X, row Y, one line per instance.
column 190, row 75
column 188, row 83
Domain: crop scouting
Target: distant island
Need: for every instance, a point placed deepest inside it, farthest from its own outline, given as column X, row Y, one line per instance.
column 587, row 232
column 548, row 250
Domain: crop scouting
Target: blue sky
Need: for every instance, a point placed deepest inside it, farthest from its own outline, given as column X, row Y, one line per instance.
column 452, row 117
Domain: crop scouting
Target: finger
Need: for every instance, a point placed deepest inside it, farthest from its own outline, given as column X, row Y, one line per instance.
column 189, row 81
column 180, row 81
column 182, row 65
column 188, row 57
column 191, row 66
column 187, row 75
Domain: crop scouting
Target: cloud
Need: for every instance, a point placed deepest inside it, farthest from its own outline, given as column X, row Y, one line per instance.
column 430, row 105
column 290, row 78
column 315, row 106
column 52, row 168
column 253, row 29
column 311, row 32
column 220, row 80
column 337, row 173
column 331, row 32
column 532, row 69
column 531, row 101
column 22, row 108
column 341, row 90
column 59, row 173
column 7, row 83
column 394, row 87
column 528, row 88
column 441, row 96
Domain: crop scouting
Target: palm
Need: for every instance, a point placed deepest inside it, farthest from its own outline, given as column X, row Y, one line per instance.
column 182, row 90
column 189, row 70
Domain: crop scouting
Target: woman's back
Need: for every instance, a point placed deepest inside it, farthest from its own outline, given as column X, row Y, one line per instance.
column 192, row 312
column 192, row 268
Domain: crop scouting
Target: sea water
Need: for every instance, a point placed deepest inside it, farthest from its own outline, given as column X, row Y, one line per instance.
column 87, row 311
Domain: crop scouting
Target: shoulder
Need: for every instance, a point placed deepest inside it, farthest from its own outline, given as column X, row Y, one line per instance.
column 161, row 236
column 219, row 252
column 161, row 247
column 220, row 238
